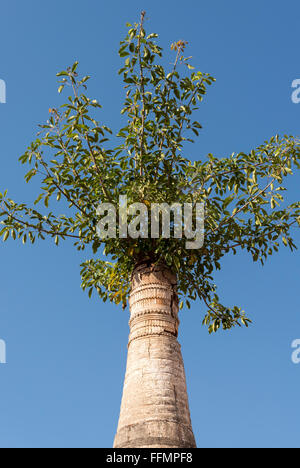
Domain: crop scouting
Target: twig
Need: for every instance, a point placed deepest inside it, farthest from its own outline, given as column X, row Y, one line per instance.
column 142, row 91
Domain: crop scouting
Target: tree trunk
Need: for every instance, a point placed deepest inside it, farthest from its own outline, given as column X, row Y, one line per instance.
column 154, row 410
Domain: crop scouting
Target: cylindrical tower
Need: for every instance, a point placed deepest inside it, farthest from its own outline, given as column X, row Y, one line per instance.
column 154, row 410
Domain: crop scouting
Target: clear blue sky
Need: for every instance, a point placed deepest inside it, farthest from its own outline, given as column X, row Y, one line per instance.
column 61, row 386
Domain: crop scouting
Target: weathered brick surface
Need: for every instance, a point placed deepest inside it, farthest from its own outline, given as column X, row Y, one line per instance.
column 154, row 410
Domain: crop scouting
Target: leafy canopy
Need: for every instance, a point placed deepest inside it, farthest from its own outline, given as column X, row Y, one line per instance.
column 76, row 162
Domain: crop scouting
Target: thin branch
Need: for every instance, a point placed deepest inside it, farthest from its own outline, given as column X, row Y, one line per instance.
column 252, row 199
column 91, row 150
column 167, row 100
column 68, row 156
column 240, row 244
column 37, row 228
column 182, row 122
column 62, row 191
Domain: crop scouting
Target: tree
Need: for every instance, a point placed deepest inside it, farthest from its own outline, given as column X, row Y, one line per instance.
column 243, row 193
